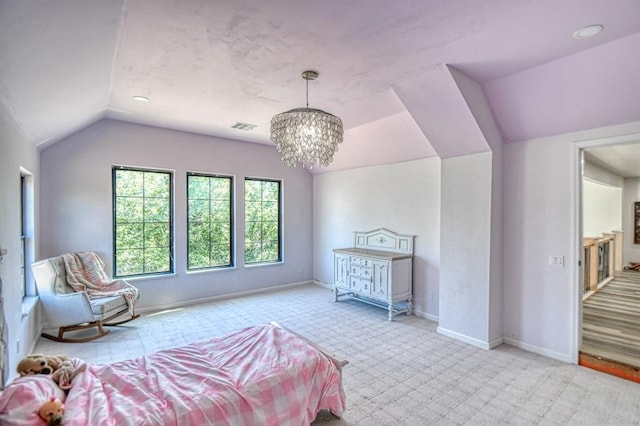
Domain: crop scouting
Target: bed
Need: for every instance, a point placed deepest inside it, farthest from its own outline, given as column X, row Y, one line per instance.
column 262, row 375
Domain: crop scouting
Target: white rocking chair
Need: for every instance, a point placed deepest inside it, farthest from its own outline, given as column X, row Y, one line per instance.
column 69, row 310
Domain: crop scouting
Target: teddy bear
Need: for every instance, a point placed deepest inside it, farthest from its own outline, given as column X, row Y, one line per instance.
column 52, row 411
column 60, row 368
column 40, row 364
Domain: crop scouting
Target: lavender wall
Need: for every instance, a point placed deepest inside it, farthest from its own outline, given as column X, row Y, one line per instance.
column 76, row 205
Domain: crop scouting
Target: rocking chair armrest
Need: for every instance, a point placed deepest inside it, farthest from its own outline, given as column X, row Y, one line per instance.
column 67, row 309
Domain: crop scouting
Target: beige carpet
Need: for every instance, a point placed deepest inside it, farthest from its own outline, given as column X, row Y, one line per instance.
column 400, row 373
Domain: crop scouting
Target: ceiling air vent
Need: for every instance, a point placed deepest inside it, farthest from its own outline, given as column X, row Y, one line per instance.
column 244, row 126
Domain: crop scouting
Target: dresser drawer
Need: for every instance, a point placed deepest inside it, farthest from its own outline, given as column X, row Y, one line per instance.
column 360, row 285
column 360, row 271
column 360, row 261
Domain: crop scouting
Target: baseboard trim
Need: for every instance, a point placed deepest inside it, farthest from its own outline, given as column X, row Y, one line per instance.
column 496, row 342
column 324, row 285
column 221, row 297
column 538, row 350
column 464, row 338
column 425, row 315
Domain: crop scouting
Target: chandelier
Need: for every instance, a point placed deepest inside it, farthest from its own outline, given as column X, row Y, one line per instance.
column 306, row 136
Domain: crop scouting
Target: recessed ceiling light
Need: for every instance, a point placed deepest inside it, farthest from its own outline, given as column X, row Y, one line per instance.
column 141, row 98
column 587, row 32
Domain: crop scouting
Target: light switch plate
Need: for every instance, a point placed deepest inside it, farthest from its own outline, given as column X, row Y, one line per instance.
column 556, row 260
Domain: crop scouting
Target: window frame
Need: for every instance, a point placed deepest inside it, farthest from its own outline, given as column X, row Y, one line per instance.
column 23, row 235
column 280, row 258
column 27, row 237
column 231, row 182
column 170, row 173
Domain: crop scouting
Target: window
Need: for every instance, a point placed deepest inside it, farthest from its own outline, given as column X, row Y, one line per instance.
column 23, row 234
column 27, row 243
column 209, row 221
column 142, row 222
column 262, row 221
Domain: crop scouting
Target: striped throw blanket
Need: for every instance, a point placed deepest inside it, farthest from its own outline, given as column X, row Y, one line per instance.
column 85, row 272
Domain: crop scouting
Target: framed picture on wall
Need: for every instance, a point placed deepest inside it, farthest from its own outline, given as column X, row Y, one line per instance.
column 636, row 222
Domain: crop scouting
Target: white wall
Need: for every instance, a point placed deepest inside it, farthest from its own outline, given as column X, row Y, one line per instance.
column 76, row 204
column 630, row 194
column 475, row 97
column 403, row 197
column 465, row 248
column 601, row 208
column 15, row 152
column 541, row 302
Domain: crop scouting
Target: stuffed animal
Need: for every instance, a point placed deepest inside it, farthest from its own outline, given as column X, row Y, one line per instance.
column 65, row 374
column 60, row 368
column 52, row 411
column 40, row 364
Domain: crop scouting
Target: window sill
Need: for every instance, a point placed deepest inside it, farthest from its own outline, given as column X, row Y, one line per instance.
column 262, row 264
column 210, row 270
column 28, row 304
column 146, row 277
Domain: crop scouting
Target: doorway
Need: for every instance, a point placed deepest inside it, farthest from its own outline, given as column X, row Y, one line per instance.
column 609, row 296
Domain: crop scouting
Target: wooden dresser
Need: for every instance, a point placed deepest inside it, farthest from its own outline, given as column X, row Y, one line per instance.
column 377, row 270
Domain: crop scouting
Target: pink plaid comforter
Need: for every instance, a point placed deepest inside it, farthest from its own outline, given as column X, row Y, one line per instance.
column 257, row 376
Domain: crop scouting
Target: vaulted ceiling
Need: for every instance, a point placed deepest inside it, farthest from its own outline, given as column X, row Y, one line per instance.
column 390, row 69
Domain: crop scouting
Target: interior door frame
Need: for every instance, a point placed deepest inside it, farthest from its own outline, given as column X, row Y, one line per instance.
column 577, row 154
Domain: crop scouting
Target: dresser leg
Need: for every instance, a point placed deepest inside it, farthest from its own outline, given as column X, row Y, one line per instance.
column 390, row 311
column 410, row 306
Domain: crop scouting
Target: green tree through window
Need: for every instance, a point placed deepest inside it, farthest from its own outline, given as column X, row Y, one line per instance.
column 209, row 221
column 262, row 221
column 142, row 222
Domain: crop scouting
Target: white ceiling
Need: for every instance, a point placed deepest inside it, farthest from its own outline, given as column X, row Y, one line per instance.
column 623, row 159
column 206, row 65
